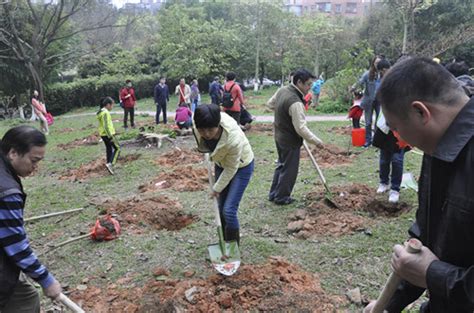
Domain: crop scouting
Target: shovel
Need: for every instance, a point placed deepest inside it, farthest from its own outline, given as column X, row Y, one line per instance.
column 225, row 256
column 70, row 304
column 328, row 196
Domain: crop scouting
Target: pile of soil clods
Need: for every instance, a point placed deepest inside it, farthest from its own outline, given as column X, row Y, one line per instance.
column 94, row 169
column 186, row 178
column 341, row 130
column 274, row 286
column 318, row 218
column 86, row 141
column 179, row 157
column 330, row 155
column 261, row 128
column 157, row 212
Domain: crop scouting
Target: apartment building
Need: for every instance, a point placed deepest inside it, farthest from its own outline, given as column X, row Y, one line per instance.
column 351, row 8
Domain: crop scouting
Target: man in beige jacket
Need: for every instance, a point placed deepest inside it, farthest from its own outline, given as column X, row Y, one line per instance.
column 290, row 130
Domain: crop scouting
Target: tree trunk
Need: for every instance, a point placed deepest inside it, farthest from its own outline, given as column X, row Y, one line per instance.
column 405, row 34
column 257, row 54
column 316, row 59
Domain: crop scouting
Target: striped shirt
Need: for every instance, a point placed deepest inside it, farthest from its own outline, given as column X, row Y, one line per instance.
column 14, row 242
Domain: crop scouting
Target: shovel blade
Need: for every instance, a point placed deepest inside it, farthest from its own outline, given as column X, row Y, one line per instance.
column 228, row 263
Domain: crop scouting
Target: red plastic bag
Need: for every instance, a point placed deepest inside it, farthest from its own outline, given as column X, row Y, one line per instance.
column 106, row 228
column 49, row 118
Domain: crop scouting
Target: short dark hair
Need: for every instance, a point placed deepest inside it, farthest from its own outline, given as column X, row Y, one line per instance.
column 207, row 116
column 128, row 81
column 230, row 75
column 458, row 68
column 22, row 139
column 303, row 75
column 383, row 63
column 417, row 79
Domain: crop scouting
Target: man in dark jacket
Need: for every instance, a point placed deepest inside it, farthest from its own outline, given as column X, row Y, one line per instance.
column 290, row 131
column 21, row 149
column 215, row 91
column 429, row 109
column 162, row 96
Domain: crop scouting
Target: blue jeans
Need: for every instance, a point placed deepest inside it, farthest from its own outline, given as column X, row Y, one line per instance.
column 229, row 199
column 194, row 104
column 368, row 113
column 396, row 160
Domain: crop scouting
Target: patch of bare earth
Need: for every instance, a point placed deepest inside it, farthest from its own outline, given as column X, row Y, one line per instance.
column 86, row 141
column 179, row 157
column 186, row 178
column 94, row 169
column 274, row 286
column 319, row 219
column 156, row 212
column 330, row 156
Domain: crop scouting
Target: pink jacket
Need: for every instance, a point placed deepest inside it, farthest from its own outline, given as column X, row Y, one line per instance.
column 182, row 114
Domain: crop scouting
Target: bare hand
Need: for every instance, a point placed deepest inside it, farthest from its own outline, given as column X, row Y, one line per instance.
column 214, row 194
column 370, row 307
column 412, row 267
column 53, row 291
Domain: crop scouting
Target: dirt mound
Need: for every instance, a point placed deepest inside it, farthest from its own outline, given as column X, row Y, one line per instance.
column 94, row 169
column 274, row 286
column 157, row 212
column 261, row 128
column 86, row 141
column 179, row 157
column 184, row 179
column 320, row 219
column 330, row 155
column 341, row 130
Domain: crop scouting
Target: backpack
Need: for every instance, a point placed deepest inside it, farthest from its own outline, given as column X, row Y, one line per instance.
column 227, row 101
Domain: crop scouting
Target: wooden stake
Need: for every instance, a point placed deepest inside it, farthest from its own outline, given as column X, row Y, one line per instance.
column 39, row 217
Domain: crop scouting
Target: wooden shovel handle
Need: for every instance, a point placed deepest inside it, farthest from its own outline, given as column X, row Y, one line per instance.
column 70, row 304
column 413, row 246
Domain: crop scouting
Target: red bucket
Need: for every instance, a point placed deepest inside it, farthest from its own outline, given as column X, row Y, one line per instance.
column 358, row 137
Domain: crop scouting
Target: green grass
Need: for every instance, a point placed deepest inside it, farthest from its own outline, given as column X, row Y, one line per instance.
column 365, row 259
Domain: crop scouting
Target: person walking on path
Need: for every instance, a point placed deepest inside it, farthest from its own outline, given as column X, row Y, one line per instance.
column 219, row 135
column 195, row 95
column 183, row 91
column 215, row 91
column 107, row 133
column 316, row 90
column 39, row 110
column 21, row 149
column 162, row 96
column 290, row 130
column 236, row 94
column 127, row 96
column 427, row 106
column 368, row 81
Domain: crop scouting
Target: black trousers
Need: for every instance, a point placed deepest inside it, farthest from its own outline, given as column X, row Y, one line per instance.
column 284, row 177
column 235, row 115
column 161, row 107
column 127, row 111
column 112, row 149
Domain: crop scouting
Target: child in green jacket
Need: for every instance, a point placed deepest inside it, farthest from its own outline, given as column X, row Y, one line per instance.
column 107, row 132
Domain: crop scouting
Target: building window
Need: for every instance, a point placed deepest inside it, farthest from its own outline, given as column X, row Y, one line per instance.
column 338, row 8
column 351, row 7
column 324, row 7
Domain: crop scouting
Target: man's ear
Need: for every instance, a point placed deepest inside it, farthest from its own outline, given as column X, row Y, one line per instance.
column 12, row 154
column 422, row 112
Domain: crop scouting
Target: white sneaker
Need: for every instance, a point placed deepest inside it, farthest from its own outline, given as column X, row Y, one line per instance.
column 393, row 196
column 109, row 168
column 382, row 188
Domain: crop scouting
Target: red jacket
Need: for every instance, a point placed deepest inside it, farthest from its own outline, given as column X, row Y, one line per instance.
column 237, row 95
column 183, row 114
column 128, row 102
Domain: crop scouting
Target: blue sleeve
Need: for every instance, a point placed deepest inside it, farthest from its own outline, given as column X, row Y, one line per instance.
column 14, row 242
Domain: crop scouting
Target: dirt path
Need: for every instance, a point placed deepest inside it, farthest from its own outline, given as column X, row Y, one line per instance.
column 259, row 118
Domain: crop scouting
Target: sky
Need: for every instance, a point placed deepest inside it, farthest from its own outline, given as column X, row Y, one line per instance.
column 120, row 3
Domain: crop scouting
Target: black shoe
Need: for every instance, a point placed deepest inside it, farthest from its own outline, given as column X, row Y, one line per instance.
column 232, row 235
column 366, row 145
column 284, row 202
column 271, row 199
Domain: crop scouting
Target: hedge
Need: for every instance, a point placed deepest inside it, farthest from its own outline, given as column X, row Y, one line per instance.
column 63, row 97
